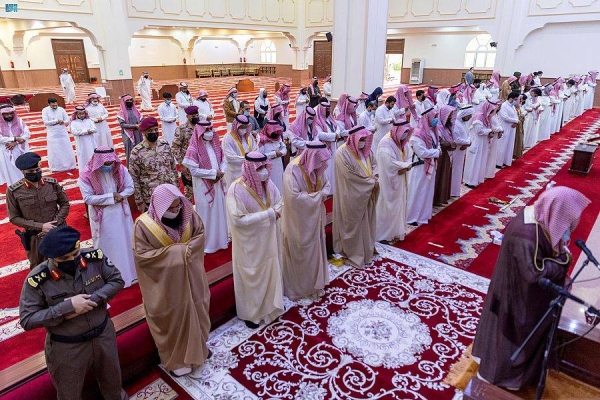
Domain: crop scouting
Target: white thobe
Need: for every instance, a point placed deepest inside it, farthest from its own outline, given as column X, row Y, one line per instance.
column 420, row 107
column 168, row 117
column 329, row 137
column 531, row 125
column 477, row 154
column 399, row 113
column 479, row 97
column 361, row 107
column 205, row 109
column 537, row 81
column 285, row 115
column 214, row 216
column 184, row 100
column 270, row 150
column 490, row 164
column 494, row 93
column 234, row 157
column 66, row 81
column 144, row 87
column 114, row 233
column 589, row 97
column 506, row 145
column 421, row 187
column 301, row 102
column 384, row 119
column 545, row 121
column 393, row 191
column 557, row 107
column 367, row 120
column 460, row 135
column 582, row 90
column 298, row 142
column 327, row 90
column 60, row 151
column 569, row 95
column 98, row 114
column 9, row 173
column 85, row 143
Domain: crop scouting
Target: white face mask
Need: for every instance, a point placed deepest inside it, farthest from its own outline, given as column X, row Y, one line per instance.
column 170, row 214
column 263, row 174
column 234, row 95
column 95, row 103
column 242, row 131
column 404, row 136
column 208, row 135
column 361, row 145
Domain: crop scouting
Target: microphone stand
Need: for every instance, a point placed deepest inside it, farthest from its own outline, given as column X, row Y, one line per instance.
column 555, row 308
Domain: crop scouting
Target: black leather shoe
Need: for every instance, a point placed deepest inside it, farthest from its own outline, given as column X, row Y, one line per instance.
column 251, row 324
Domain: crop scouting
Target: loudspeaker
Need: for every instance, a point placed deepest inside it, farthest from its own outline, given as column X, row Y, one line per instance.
column 329, row 36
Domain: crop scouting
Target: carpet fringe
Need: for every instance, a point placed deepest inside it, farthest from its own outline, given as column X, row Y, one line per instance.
column 462, row 371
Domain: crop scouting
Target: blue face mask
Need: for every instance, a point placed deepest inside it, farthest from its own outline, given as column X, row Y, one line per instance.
column 372, row 112
column 567, row 236
column 247, row 113
column 434, row 122
column 309, row 121
column 106, row 168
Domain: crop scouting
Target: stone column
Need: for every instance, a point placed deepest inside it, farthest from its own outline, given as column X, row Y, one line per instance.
column 359, row 43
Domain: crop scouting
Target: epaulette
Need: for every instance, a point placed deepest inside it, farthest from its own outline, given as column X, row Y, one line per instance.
column 92, row 254
column 50, row 180
column 37, row 279
column 16, row 185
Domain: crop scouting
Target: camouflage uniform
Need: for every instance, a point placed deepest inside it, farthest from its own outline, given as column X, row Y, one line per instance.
column 181, row 142
column 150, row 167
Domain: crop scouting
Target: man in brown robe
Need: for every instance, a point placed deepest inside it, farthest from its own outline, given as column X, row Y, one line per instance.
column 168, row 243
column 356, row 193
column 520, row 133
column 534, row 247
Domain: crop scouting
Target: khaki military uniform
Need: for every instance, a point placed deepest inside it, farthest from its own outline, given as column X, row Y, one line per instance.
column 30, row 207
column 75, row 345
column 150, row 167
column 181, row 142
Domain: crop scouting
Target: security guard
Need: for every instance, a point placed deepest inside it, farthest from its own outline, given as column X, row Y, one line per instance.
column 67, row 295
column 36, row 204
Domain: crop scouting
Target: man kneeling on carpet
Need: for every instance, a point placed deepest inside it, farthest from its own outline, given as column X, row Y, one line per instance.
column 534, row 247
column 68, row 295
column 168, row 245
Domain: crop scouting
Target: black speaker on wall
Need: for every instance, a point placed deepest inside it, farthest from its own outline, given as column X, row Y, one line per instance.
column 329, row 36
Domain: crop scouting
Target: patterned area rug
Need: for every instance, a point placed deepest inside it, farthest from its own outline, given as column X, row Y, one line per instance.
column 157, row 390
column 391, row 330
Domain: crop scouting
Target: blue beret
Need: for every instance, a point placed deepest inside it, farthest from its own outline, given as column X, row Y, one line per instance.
column 27, row 161
column 59, row 241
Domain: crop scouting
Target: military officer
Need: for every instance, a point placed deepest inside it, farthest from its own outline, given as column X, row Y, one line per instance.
column 67, row 295
column 36, row 204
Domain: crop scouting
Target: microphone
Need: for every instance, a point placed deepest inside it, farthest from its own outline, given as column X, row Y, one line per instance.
column 581, row 244
column 547, row 284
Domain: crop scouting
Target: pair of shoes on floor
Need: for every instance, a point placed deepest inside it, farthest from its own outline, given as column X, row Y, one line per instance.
column 470, row 186
column 499, row 167
column 414, row 224
column 251, row 324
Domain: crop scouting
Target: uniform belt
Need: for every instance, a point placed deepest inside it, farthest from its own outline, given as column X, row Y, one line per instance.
column 84, row 337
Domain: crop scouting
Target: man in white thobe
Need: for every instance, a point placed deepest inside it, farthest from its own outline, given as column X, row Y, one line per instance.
column 60, row 152
column 327, row 88
column 83, row 130
column 238, row 142
column 422, row 104
column 184, row 100
column 367, row 117
column 14, row 136
column 205, row 108
column 204, row 159
column 477, row 154
column 384, row 117
column 254, row 207
column 509, row 120
column 105, row 185
column 167, row 112
column 68, row 85
column 461, row 137
column 98, row 114
column 570, row 94
column 144, row 88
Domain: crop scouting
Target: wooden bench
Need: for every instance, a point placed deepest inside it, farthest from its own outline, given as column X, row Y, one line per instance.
column 216, row 72
column 251, row 71
column 236, row 71
column 204, row 73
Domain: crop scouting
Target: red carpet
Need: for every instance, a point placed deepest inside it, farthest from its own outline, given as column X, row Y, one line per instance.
column 463, row 229
column 386, row 331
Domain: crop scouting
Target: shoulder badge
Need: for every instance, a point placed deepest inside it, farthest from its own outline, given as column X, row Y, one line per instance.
column 91, row 255
column 37, row 279
column 16, row 185
column 50, row 180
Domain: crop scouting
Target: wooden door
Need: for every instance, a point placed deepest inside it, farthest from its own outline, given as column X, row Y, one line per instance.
column 394, row 46
column 70, row 53
column 322, row 55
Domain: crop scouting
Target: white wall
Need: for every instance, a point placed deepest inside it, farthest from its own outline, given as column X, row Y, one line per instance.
column 215, row 52
column 154, row 52
column 439, row 51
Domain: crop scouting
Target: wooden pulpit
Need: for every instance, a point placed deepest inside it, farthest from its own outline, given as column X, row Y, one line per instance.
column 245, row 85
column 173, row 89
column 583, row 157
column 40, row 100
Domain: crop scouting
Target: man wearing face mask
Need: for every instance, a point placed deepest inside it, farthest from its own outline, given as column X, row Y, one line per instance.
column 68, row 296
column 314, row 93
column 384, row 117
column 231, row 107
column 509, row 120
column 181, row 142
column 14, row 136
column 36, row 204
column 129, row 118
column 184, row 100
column 245, row 110
column 254, row 207
column 168, row 245
column 367, row 117
column 167, row 112
column 144, row 87
column 105, row 185
column 462, row 138
column 83, row 130
column 302, row 100
column 98, row 114
column 151, row 164
column 302, row 129
column 422, row 104
column 60, row 150
column 328, row 132
column 205, row 108
column 271, row 145
column 68, row 85
column 238, row 142
column 204, row 159
column 261, row 106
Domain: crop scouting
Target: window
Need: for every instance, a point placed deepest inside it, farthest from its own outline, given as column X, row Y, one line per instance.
column 479, row 53
column 268, row 52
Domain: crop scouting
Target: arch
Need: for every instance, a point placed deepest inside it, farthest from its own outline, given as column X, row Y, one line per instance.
column 268, row 52
column 479, row 53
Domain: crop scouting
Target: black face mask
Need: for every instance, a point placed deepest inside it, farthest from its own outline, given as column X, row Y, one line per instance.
column 327, row 113
column 186, row 91
column 264, row 96
column 277, row 115
column 202, row 99
column 274, row 135
column 303, row 92
column 8, row 118
column 152, row 137
column 172, row 222
column 129, row 104
column 195, row 120
column 146, row 76
column 33, row 176
column 69, row 267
